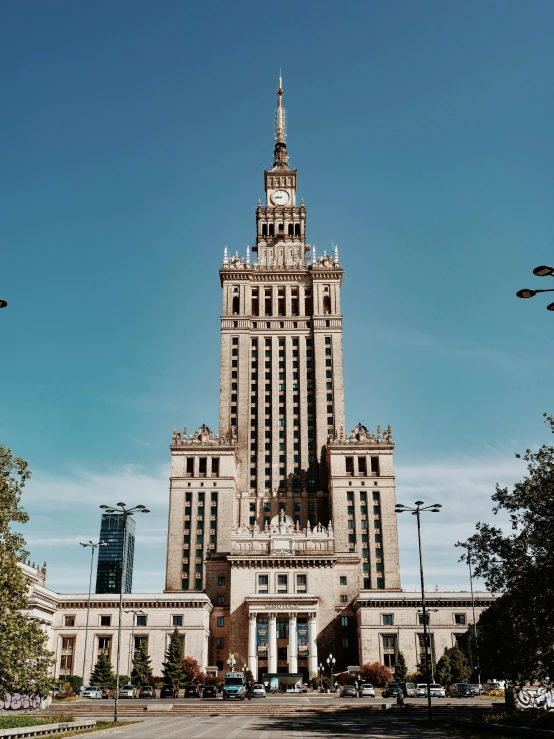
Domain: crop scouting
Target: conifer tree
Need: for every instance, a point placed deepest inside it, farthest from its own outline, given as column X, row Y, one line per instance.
column 401, row 669
column 173, row 665
column 142, row 668
column 24, row 658
column 443, row 671
column 459, row 667
column 103, row 672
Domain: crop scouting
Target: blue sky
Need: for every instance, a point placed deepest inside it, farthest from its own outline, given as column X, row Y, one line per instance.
column 134, row 141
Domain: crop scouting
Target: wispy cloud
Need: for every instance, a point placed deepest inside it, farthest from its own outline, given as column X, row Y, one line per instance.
column 64, row 511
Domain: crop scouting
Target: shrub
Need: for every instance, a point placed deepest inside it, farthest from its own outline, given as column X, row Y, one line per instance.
column 376, row 674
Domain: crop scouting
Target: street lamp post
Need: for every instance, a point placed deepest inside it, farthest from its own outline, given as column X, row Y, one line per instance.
column 331, row 662
column 122, row 510
column 474, row 620
column 231, row 662
column 93, row 546
column 542, row 271
column 132, row 644
column 321, row 668
column 420, row 508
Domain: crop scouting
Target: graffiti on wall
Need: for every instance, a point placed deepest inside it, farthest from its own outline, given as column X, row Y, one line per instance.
column 536, row 698
column 19, row 702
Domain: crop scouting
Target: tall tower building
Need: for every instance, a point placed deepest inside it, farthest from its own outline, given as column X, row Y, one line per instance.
column 282, row 518
column 110, row 557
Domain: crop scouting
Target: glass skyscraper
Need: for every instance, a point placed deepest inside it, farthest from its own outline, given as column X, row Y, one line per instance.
column 108, row 573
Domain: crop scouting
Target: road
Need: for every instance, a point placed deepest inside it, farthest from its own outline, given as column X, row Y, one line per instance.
column 293, row 727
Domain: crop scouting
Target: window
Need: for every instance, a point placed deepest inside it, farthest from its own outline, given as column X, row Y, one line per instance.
column 220, row 642
column 105, row 620
column 177, row 620
column 141, row 620
column 283, row 630
column 104, row 645
column 282, row 583
column 221, row 599
column 345, row 642
column 301, row 584
column 367, row 583
column 69, row 621
column 388, row 620
column 221, row 620
column 380, row 583
column 460, row 618
column 344, row 620
column 344, row 599
column 389, row 642
column 221, row 581
column 350, row 495
column 263, row 583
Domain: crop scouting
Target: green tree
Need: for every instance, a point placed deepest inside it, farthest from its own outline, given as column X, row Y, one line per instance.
column 103, row 673
column 520, row 564
column 24, row 659
column 401, row 669
column 459, row 667
column 443, row 670
column 376, row 674
column 142, row 668
column 173, row 665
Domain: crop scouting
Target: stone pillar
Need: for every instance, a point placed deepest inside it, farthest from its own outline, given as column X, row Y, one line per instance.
column 252, row 646
column 312, row 633
column 272, row 639
column 293, row 644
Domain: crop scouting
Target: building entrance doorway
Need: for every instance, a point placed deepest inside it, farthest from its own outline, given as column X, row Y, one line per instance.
column 283, row 682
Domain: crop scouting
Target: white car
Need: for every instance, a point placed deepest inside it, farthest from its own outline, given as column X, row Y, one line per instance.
column 367, row 691
column 294, row 689
column 92, row 692
column 437, row 691
column 128, row 691
column 258, row 691
column 421, row 690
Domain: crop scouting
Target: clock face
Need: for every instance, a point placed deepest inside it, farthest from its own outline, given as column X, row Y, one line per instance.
column 280, row 197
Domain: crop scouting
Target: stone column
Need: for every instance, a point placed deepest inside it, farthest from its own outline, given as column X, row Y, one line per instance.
column 272, row 639
column 293, row 644
column 252, row 646
column 312, row 633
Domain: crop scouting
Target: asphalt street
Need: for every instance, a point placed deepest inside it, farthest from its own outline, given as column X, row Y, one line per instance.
column 293, row 727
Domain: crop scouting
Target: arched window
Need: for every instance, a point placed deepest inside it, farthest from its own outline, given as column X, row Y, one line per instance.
column 271, row 229
column 236, row 305
column 326, row 304
column 290, row 229
column 264, row 229
column 297, row 229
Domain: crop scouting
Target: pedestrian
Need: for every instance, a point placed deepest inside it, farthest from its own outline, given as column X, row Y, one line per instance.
column 249, row 691
column 400, row 700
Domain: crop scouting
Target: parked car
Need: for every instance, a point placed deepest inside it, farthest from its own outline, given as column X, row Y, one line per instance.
column 437, row 691
column 348, row 691
column 421, row 690
column 258, row 691
column 147, row 692
column 461, row 690
column 210, row 691
column 169, row 691
column 192, row 691
column 478, row 688
column 495, row 686
column 408, row 689
column 128, row 691
column 294, row 689
column 107, row 692
column 367, row 691
column 92, row 692
column 392, row 690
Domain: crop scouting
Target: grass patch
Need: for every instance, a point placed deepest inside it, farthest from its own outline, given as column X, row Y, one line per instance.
column 19, row 722
column 99, row 726
column 487, row 697
column 464, row 731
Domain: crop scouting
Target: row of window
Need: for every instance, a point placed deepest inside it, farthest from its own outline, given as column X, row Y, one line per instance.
column 358, row 465
column 281, row 584
column 205, row 466
column 460, row 619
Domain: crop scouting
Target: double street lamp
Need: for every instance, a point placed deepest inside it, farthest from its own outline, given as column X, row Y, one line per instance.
column 331, row 662
column 420, row 508
column 121, row 510
column 93, row 546
column 542, row 271
column 231, row 662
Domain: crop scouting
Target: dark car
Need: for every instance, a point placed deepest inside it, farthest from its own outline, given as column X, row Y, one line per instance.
column 461, row 690
column 169, row 691
column 349, row 691
column 147, row 692
column 191, row 691
column 210, row 691
column 392, row 690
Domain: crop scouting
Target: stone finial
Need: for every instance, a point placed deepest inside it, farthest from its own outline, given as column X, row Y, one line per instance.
column 336, row 255
column 259, row 203
column 314, row 259
column 248, row 256
column 225, row 256
column 301, row 202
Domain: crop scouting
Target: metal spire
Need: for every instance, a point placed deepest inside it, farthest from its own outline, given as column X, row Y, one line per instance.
column 280, row 156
